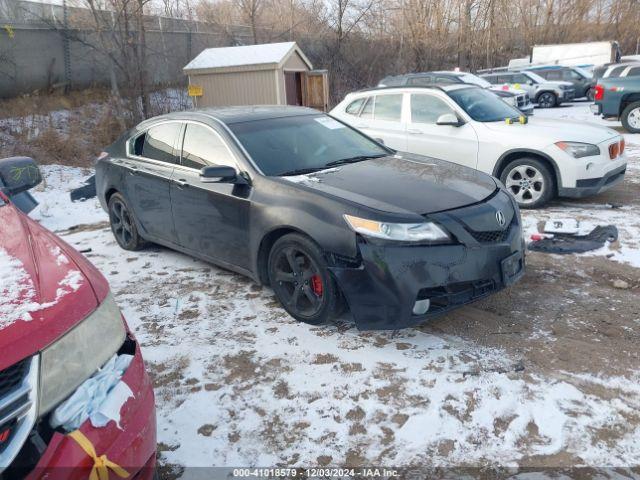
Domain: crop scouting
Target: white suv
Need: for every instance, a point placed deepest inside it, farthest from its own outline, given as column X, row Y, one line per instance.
column 536, row 159
column 545, row 93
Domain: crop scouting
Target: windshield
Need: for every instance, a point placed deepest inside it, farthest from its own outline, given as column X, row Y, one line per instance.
column 483, row 105
column 583, row 72
column 535, row 77
column 301, row 144
column 475, row 80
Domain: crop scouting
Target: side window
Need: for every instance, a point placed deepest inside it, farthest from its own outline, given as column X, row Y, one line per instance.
column 505, row 78
column 137, row 144
column 519, row 78
column 427, row 108
column 633, row 72
column 202, row 147
column 159, row 142
column 367, row 111
column 422, row 80
column 490, row 78
column 554, row 75
column 614, row 73
column 571, row 75
column 388, row 107
column 354, row 107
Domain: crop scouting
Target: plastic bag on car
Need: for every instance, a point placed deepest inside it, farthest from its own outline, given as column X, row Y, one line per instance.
column 98, row 399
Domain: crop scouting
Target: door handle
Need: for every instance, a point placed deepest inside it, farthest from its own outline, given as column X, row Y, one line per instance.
column 414, row 131
column 181, row 182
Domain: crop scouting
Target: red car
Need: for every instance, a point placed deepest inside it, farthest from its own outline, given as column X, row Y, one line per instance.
column 59, row 325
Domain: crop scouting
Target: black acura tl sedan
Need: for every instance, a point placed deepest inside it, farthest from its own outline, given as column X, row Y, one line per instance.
column 325, row 215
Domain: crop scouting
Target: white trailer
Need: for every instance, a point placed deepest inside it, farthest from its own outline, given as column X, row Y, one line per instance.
column 575, row 54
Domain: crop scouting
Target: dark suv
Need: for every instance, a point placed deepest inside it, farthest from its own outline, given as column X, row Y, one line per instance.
column 515, row 97
column 581, row 79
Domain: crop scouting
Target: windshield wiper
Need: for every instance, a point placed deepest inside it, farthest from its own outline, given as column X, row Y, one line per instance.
column 359, row 158
column 301, row 171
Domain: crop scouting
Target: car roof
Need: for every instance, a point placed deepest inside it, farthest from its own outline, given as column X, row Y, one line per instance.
column 240, row 114
column 439, row 86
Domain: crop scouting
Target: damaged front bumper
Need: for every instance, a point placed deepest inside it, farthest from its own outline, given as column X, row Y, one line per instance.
column 383, row 289
column 55, row 455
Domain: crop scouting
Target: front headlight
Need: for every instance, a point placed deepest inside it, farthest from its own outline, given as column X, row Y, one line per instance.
column 68, row 362
column 427, row 232
column 579, row 150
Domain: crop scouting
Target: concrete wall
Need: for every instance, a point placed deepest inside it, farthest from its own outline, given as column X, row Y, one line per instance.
column 32, row 48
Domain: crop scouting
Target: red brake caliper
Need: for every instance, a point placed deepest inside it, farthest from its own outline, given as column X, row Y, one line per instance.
column 316, row 285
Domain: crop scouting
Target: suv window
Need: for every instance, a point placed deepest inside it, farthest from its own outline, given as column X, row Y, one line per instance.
column 388, row 107
column 615, row 72
column 519, row 78
column 553, row 75
column 159, row 142
column 354, row 107
column 421, row 80
column 427, row 108
column 505, row 78
column 202, row 147
column 490, row 78
column 633, row 72
column 367, row 111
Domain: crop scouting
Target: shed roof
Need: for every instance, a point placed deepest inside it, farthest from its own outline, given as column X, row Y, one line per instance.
column 262, row 56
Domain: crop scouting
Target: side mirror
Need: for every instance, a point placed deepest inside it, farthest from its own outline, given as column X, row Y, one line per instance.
column 448, row 119
column 19, row 174
column 529, row 82
column 218, row 174
column 379, row 140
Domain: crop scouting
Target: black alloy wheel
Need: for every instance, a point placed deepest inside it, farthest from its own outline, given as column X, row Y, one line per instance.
column 547, row 100
column 301, row 280
column 123, row 224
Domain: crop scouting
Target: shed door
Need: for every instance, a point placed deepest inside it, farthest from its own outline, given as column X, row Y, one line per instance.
column 293, row 87
column 316, row 90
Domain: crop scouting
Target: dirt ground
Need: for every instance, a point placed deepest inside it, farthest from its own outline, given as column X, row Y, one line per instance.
column 544, row 375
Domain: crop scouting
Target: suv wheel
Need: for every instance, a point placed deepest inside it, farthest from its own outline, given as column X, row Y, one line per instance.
column 547, row 100
column 529, row 181
column 300, row 278
column 123, row 224
column 631, row 117
column 591, row 94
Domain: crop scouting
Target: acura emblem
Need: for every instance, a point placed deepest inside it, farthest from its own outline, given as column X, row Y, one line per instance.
column 500, row 218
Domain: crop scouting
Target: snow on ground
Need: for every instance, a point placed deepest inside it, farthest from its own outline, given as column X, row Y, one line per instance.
column 239, row 383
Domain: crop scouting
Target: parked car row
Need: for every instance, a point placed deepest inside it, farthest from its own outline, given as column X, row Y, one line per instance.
column 536, row 160
column 401, row 205
column 515, row 97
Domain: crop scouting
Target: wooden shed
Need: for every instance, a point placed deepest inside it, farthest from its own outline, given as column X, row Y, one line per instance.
column 267, row 74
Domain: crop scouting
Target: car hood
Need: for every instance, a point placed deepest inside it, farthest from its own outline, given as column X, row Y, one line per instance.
column 44, row 290
column 402, row 183
column 555, row 130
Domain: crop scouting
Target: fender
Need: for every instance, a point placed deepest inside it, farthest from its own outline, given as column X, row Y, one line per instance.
column 501, row 162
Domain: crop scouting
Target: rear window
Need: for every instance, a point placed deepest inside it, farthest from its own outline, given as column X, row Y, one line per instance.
column 159, row 142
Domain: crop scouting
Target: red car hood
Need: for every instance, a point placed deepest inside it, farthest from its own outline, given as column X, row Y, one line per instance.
column 46, row 286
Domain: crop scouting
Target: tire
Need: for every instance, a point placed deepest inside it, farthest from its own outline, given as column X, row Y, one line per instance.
column 591, row 94
column 631, row 117
column 300, row 278
column 529, row 181
column 547, row 100
column 123, row 224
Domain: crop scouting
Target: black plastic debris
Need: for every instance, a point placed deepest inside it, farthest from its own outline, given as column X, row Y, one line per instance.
column 563, row 243
column 88, row 190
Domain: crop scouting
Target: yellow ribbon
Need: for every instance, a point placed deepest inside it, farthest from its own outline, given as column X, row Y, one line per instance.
column 101, row 464
column 508, row 120
column 522, row 120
